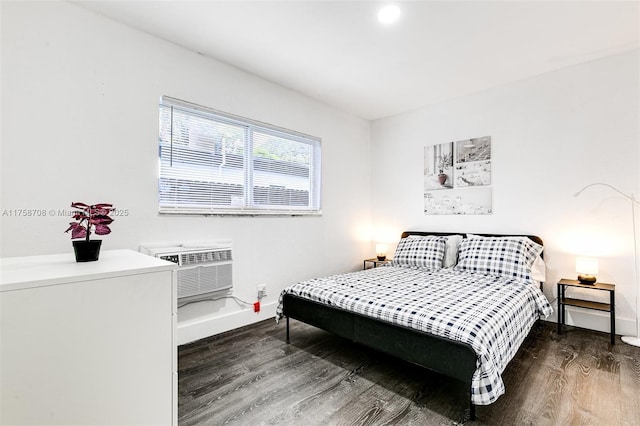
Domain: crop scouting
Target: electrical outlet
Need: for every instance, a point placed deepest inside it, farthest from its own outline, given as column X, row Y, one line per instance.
column 262, row 291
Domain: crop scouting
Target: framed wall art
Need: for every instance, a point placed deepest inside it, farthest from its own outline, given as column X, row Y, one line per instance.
column 457, row 177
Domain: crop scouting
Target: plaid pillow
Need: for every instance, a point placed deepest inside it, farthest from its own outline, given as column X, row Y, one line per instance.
column 508, row 257
column 426, row 252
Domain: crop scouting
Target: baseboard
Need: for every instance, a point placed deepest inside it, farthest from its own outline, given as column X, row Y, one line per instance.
column 190, row 331
column 595, row 320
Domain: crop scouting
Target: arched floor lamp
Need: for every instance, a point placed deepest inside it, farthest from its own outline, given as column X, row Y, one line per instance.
column 631, row 340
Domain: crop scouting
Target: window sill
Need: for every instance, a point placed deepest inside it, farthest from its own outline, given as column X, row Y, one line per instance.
column 241, row 213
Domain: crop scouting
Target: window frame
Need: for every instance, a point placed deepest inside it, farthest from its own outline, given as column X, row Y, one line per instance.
column 249, row 206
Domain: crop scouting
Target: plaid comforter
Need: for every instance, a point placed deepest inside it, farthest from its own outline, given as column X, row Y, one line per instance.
column 490, row 313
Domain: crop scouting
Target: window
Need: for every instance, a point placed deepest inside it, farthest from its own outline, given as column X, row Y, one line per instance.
column 217, row 163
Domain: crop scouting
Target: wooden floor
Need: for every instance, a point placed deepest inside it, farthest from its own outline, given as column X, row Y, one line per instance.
column 250, row 376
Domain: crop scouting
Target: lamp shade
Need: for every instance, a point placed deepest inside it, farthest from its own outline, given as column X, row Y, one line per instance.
column 381, row 251
column 587, row 265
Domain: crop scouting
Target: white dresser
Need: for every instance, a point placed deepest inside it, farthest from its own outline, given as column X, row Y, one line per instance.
column 88, row 343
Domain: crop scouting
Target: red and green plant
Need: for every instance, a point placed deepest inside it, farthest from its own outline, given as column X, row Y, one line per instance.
column 90, row 218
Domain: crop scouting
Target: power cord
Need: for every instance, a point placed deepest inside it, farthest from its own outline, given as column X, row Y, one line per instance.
column 215, row 299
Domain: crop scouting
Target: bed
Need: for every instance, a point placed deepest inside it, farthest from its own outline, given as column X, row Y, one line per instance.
column 457, row 304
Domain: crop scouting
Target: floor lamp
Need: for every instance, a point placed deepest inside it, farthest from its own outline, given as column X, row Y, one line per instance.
column 631, row 340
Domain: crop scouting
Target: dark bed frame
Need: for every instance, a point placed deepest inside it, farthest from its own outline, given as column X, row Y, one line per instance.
column 453, row 359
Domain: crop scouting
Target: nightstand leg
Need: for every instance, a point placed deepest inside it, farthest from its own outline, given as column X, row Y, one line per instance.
column 288, row 340
column 612, row 298
column 560, row 319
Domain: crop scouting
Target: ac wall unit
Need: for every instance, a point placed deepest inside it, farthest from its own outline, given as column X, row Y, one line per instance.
column 203, row 268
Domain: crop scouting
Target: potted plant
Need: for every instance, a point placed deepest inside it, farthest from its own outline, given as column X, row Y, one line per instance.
column 89, row 218
column 444, row 162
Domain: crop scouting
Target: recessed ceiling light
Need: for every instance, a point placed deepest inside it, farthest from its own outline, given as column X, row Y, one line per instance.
column 389, row 14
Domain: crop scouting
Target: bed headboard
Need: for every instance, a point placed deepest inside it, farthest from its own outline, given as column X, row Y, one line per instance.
column 533, row 238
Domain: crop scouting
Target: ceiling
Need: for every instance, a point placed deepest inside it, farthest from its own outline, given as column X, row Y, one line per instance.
column 338, row 53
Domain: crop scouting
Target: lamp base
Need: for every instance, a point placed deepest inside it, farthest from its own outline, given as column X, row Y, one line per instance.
column 587, row 279
column 631, row 340
column 382, row 257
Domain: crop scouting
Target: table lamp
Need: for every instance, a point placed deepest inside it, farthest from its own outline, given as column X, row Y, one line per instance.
column 587, row 268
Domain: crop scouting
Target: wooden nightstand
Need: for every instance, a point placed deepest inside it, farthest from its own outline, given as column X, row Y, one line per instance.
column 598, row 306
column 375, row 262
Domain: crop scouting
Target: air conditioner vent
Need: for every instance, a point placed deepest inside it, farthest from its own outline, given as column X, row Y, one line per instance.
column 202, row 268
column 205, row 257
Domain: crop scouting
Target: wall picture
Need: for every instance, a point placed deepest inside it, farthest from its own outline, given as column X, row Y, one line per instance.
column 438, row 166
column 462, row 169
column 473, row 162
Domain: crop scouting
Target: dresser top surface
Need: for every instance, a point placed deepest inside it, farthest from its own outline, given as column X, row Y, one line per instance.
column 36, row 271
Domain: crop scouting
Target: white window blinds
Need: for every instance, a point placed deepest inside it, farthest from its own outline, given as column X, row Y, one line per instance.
column 217, row 163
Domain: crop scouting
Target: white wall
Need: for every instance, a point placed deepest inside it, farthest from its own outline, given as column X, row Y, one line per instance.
column 80, row 123
column 551, row 135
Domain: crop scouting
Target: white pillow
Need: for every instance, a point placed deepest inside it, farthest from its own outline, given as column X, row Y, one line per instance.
column 451, row 251
column 538, row 270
